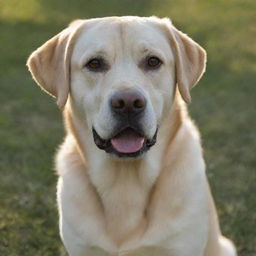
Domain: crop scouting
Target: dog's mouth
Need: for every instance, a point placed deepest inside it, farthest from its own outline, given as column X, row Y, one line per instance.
column 127, row 143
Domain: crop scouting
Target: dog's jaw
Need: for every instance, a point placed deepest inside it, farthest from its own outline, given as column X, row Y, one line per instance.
column 109, row 147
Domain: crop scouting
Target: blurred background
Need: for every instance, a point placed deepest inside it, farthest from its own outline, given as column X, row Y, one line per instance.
column 224, row 106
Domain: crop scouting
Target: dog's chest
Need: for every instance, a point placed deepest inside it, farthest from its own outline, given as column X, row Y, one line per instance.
column 91, row 235
column 124, row 208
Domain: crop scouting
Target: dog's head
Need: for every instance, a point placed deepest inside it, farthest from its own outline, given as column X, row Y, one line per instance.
column 121, row 73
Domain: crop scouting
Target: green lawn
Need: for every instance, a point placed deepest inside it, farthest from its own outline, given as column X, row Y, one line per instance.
column 223, row 106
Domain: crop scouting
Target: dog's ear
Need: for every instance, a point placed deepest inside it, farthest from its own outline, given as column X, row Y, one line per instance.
column 190, row 60
column 50, row 63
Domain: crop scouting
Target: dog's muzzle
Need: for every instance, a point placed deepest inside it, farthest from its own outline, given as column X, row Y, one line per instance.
column 128, row 138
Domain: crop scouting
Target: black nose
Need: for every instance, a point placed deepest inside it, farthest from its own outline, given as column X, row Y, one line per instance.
column 128, row 102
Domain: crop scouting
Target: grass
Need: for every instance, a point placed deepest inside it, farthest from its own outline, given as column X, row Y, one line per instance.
column 31, row 128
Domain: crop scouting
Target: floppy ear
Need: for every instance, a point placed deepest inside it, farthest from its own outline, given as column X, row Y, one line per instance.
column 50, row 64
column 190, row 61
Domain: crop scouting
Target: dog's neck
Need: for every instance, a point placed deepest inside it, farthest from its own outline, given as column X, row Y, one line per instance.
column 123, row 185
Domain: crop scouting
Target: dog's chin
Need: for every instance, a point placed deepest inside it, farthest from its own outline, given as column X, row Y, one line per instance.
column 127, row 143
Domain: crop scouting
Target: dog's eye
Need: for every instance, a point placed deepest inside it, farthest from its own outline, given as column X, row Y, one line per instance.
column 96, row 65
column 153, row 62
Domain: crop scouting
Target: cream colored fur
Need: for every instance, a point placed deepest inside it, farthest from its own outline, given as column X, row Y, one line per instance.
column 159, row 204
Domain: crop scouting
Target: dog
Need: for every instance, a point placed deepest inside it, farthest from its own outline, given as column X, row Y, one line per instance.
column 131, row 170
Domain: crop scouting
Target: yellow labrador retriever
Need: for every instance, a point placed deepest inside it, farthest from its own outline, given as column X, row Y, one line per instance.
column 131, row 171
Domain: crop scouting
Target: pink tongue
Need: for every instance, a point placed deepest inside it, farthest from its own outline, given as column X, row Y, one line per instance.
column 127, row 142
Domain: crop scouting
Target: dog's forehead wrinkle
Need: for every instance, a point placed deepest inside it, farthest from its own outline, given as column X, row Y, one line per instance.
column 132, row 32
column 145, row 31
column 148, row 39
column 97, row 36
